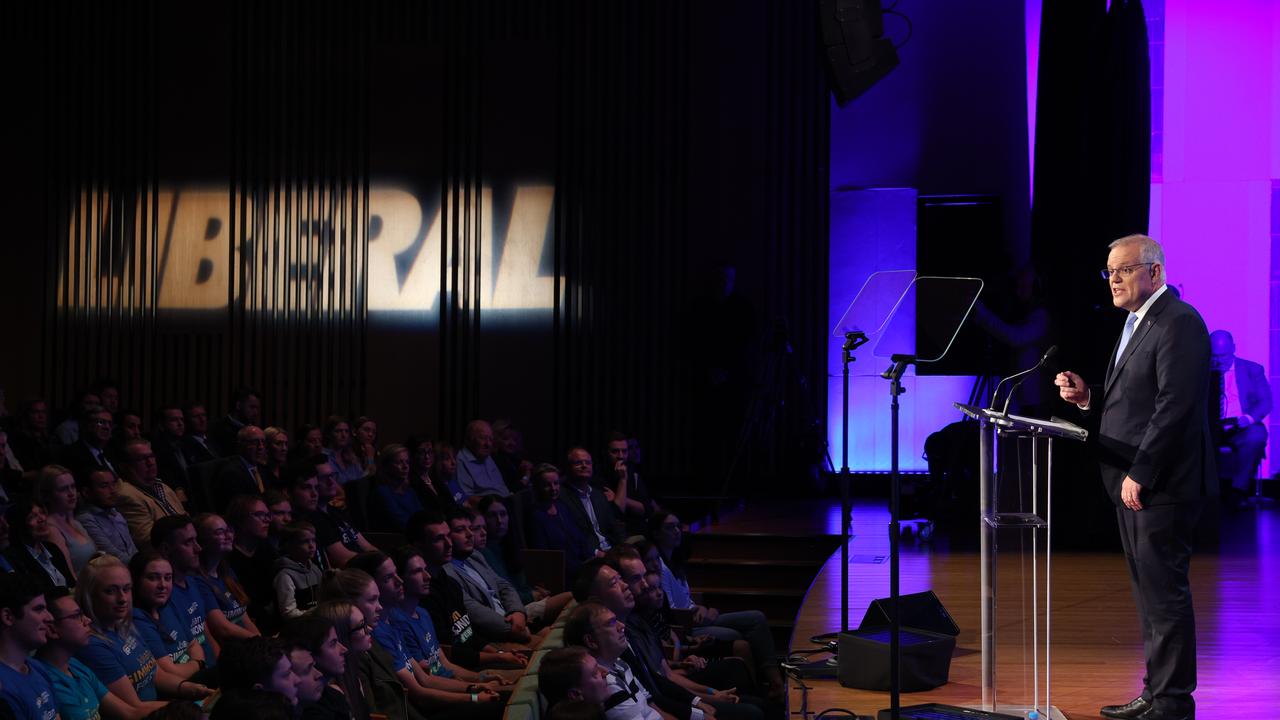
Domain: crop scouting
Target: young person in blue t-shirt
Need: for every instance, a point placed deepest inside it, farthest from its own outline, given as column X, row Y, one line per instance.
column 427, row 690
column 77, row 692
column 413, row 623
column 24, row 620
column 174, row 537
column 159, row 623
column 116, row 652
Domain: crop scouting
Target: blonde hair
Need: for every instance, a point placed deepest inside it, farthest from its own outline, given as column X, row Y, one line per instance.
column 87, row 586
column 49, row 475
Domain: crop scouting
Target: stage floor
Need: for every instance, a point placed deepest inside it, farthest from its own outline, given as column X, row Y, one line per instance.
column 1097, row 654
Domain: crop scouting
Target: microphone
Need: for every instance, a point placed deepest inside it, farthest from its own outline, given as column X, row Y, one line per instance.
column 1048, row 354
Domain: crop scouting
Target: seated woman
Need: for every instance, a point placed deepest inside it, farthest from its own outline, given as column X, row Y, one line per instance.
column 57, row 492
column 446, row 471
column 340, row 449
column 252, row 557
column 317, row 639
column 231, row 619
column 432, row 493
column 543, row 608
column 157, row 620
column 392, row 500
column 30, row 550
column 277, row 458
column 116, row 652
column 370, row 685
column 551, row 526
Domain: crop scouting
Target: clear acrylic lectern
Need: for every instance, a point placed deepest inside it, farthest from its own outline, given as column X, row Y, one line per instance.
column 1016, row 516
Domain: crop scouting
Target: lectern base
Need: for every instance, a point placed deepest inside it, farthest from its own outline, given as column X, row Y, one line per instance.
column 936, row 711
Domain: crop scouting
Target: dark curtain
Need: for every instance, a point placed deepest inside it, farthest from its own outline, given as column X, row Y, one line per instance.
column 1092, row 186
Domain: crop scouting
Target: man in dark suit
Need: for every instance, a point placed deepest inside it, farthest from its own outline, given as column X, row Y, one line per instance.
column 1157, row 464
column 241, row 474
column 1240, row 398
column 89, row 452
column 597, row 516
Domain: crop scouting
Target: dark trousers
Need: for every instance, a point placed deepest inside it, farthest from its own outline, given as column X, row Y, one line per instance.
column 1157, row 546
column 1247, row 445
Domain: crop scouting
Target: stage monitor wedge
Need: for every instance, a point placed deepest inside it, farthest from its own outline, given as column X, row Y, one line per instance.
column 857, row 53
column 921, row 610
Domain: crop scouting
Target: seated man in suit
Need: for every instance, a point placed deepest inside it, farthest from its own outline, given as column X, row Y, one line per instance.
column 167, row 445
column 494, row 605
column 1242, row 400
column 197, row 446
column 246, row 410
column 598, row 516
column 89, row 451
column 144, row 498
column 241, row 474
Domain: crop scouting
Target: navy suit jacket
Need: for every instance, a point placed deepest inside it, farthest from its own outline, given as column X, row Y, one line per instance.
column 1154, row 423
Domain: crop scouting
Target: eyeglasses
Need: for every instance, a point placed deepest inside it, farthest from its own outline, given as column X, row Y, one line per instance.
column 579, row 463
column 1124, row 272
column 362, row 627
column 78, row 616
column 260, row 516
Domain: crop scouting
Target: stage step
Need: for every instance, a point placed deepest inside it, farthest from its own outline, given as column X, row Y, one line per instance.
column 758, row 547
column 709, row 573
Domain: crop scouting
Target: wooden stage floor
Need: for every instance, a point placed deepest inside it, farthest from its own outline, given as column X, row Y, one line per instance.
column 1097, row 654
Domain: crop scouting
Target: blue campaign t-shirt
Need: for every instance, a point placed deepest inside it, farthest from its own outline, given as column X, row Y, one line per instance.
column 167, row 637
column 193, row 604
column 78, row 695
column 420, row 641
column 28, row 694
column 216, row 588
column 390, row 640
column 112, row 656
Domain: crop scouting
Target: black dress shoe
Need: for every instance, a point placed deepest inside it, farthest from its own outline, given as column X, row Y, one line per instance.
column 1128, row 711
column 1156, row 713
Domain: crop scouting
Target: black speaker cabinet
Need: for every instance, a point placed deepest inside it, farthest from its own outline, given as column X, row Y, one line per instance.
column 922, row 610
column 864, row 659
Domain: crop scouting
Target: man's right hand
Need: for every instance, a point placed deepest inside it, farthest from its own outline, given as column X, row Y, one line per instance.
column 1072, row 387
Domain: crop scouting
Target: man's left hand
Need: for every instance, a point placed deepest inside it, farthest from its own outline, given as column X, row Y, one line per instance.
column 1129, row 492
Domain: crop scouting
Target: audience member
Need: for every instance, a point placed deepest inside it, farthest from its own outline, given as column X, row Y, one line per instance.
column 639, row 503
column 572, row 673
column 258, row 663
column 441, row 695
column 197, row 446
column 494, row 606
column 297, row 581
column 229, row 618
column 29, row 439
column 56, row 491
column 308, row 440
column 98, row 515
column 543, row 610
column 175, row 538
column 341, row 451
column 448, row 610
column 252, row 558
column 67, row 433
column 128, row 427
column 259, row 704
column 509, row 456
column 311, row 682
column 116, row 653
column 88, row 451
column 1240, row 398
column 595, row 642
column 246, row 410
column 24, row 628
column 30, row 552
column 11, row 480
column 241, row 474
column 477, row 472
column 144, row 498
column 393, row 500
column 335, row 534
column 597, row 516
column 447, row 469
column 160, row 623
column 77, row 691
column 340, row 697
column 552, row 525
column 277, row 457
column 749, row 625
column 304, row 499
column 502, row 548
column 354, row 619
column 281, row 509
column 167, row 444
column 413, row 623
column 365, row 440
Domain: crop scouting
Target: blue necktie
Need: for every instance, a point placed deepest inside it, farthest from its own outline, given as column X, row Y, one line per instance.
column 1126, row 335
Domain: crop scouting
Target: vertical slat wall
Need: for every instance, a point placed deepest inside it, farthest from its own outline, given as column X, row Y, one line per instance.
column 291, row 105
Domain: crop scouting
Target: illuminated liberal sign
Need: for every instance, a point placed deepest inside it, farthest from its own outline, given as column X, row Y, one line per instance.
column 310, row 250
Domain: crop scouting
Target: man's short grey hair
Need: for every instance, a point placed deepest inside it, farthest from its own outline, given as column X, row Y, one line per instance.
column 1149, row 251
